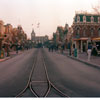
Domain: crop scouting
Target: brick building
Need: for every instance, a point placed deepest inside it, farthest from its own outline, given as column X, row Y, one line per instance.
column 86, row 28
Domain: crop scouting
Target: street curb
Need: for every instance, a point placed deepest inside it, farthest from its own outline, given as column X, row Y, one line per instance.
column 82, row 61
column 85, row 62
column 7, row 58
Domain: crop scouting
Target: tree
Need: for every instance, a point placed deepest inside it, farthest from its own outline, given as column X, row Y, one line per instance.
column 96, row 8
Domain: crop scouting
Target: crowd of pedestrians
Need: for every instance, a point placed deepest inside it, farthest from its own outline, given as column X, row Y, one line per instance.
column 55, row 48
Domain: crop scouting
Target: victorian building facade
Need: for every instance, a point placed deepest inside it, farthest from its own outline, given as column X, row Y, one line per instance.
column 86, row 28
column 11, row 36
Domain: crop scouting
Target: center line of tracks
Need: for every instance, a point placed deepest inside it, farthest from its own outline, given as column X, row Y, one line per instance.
column 50, row 83
column 30, row 82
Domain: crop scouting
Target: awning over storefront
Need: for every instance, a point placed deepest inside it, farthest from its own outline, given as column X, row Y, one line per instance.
column 84, row 39
column 76, row 39
column 96, row 39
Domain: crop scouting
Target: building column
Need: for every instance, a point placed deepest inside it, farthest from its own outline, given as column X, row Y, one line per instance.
column 77, row 45
column 81, row 46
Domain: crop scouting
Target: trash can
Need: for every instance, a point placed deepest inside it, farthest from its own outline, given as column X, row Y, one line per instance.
column 75, row 52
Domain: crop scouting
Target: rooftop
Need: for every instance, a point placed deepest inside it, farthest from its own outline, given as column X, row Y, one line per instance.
column 86, row 13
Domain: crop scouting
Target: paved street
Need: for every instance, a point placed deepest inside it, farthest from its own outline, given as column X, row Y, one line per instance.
column 49, row 48
column 66, row 77
column 72, row 77
column 14, row 73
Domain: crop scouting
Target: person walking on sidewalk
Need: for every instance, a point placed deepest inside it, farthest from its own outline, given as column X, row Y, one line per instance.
column 89, row 51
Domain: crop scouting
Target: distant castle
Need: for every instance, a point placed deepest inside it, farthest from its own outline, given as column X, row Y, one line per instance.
column 38, row 39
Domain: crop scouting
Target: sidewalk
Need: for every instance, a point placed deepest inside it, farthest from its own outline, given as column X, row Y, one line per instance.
column 12, row 54
column 94, row 59
column 83, row 57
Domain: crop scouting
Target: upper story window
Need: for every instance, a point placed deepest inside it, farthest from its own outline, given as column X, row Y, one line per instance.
column 92, row 19
column 78, row 19
column 84, row 32
column 92, row 31
column 77, row 32
column 84, row 18
column 98, row 19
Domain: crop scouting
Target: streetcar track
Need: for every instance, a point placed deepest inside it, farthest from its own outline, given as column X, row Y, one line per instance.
column 50, row 84
column 28, row 83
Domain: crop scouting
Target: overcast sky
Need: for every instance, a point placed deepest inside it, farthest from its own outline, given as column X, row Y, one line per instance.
column 49, row 13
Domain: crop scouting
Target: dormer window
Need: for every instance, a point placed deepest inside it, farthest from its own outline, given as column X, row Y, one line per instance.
column 84, row 18
column 78, row 19
column 92, row 19
column 98, row 19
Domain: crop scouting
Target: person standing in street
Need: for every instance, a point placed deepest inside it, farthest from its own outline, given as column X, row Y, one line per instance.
column 89, row 51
